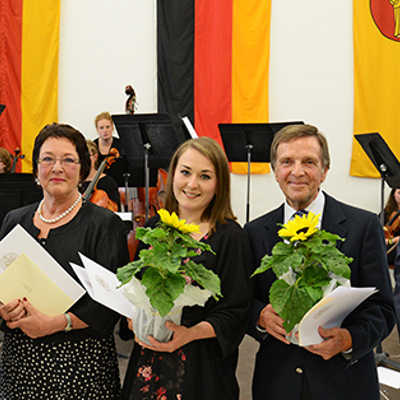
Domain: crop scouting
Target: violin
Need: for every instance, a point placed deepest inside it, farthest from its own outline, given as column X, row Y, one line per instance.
column 390, row 229
column 112, row 156
column 393, row 225
column 98, row 196
column 17, row 155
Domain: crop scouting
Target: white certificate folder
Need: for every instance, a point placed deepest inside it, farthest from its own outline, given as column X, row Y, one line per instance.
column 28, row 270
column 103, row 286
column 330, row 312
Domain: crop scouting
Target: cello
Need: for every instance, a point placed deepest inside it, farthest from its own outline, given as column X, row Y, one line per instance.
column 131, row 203
column 133, row 200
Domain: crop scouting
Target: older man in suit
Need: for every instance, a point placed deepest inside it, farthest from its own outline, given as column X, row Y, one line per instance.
column 342, row 366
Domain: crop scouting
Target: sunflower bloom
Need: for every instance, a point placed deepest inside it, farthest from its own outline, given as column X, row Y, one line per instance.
column 174, row 221
column 300, row 228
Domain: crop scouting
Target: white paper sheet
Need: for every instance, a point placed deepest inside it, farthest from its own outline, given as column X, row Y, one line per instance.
column 83, row 277
column 102, row 286
column 389, row 377
column 125, row 216
column 330, row 312
column 18, row 242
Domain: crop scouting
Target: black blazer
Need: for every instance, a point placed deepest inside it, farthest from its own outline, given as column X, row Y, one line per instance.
column 283, row 371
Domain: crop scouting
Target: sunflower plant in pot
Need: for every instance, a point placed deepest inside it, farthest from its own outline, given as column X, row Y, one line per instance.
column 307, row 265
column 165, row 278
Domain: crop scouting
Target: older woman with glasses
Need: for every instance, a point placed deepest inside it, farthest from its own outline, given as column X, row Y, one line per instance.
column 69, row 355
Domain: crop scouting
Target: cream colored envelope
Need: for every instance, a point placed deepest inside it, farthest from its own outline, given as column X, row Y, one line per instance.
column 23, row 278
column 18, row 242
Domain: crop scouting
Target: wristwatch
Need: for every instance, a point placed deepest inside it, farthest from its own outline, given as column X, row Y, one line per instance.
column 348, row 354
column 260, row 329
column 69, row 322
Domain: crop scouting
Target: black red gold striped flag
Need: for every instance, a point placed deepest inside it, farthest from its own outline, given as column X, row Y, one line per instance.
column 213, row 63
column 29, row 44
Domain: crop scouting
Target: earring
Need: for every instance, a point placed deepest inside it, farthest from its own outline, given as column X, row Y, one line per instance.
column 37, row 181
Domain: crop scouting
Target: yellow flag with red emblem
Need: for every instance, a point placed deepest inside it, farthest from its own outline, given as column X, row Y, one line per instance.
column 376, row 27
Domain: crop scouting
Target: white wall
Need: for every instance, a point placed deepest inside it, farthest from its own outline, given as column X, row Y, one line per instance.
column 104, row 46
column 107, row 44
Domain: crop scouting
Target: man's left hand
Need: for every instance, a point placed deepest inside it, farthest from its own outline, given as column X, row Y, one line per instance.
column 335, row 341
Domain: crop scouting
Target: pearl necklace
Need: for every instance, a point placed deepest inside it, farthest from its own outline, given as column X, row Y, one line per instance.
column 66, row 212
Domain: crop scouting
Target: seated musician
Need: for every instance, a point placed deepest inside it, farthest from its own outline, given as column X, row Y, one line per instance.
column 5, row 161
column 392, row 223
column 392, row 237
column 105, row 183
column 106, row 141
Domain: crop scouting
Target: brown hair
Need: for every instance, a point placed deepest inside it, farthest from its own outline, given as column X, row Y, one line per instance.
column 68, row 132
column 391, row 205
column 219, row 209
column 6, row 158
column 291, row 132
column 103, row 115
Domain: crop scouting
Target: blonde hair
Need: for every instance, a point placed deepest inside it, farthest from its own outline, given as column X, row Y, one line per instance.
column 103, row 115
column 93, row 150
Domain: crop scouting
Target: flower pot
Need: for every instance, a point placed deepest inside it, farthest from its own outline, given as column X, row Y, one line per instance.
column 150, row 323
column 147, row 320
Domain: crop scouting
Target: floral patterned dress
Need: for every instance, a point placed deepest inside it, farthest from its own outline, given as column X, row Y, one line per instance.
column 202, row 369
column 160, row 375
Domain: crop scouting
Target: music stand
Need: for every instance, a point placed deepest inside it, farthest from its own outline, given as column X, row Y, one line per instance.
column 17, row 190
column 389, row 168
column 251, row 143
column 148, row 141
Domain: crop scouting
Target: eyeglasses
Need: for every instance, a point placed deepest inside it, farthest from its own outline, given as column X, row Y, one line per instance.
column 65, row 162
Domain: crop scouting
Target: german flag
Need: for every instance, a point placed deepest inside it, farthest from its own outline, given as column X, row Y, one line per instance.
column 29, row 45
column 213, row 62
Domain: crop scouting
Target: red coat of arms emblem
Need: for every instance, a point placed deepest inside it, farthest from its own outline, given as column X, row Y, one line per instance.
column 386, row 15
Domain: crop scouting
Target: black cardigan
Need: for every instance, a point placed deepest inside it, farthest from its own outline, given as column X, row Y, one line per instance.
column 95, row 232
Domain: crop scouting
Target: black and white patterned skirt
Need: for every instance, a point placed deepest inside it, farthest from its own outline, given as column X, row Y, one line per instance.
column 85, row 369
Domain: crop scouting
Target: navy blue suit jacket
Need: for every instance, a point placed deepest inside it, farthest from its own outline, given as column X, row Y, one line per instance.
column 282, row 371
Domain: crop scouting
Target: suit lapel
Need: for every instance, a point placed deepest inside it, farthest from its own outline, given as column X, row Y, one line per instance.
column 334, row 220
column 271, row 228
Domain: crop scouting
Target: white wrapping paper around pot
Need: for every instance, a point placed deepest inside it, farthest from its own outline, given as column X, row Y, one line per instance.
column 147, row 320
column 153, row 324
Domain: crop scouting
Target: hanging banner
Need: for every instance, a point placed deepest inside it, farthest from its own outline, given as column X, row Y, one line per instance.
column 213, row 63
column 29, row 37
column 376, row 26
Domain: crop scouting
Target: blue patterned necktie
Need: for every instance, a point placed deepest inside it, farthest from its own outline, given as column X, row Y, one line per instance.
column 300, row 213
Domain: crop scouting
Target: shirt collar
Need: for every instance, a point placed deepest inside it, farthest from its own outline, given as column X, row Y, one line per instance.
column 316, row 207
